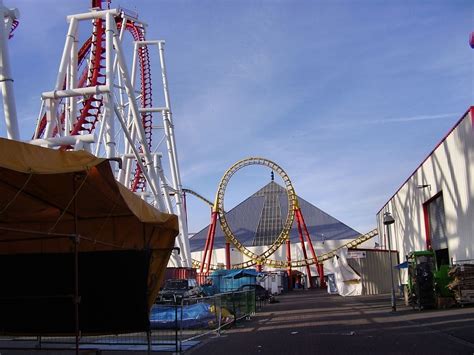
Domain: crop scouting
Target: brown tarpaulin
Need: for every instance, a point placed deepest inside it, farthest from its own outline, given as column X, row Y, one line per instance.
column 53, row 192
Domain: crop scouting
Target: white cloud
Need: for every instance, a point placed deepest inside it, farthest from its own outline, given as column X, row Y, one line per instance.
column 410, row 118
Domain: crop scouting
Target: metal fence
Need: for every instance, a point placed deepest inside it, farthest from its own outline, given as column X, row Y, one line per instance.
column 173, row 327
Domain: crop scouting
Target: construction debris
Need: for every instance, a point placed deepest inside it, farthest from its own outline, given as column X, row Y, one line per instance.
column 463, row 283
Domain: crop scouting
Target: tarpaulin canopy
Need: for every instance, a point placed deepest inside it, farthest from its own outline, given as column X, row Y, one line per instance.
column 47, row 194
column 347, row 281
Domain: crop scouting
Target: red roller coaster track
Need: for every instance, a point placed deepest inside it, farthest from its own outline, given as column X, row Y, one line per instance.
column 94, row 75
column 15, row 24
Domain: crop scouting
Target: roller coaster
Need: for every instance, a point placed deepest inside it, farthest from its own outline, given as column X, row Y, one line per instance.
column 98, row 105
column 294, row 212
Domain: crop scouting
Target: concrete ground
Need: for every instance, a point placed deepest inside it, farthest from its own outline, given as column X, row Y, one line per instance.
column 313, row 322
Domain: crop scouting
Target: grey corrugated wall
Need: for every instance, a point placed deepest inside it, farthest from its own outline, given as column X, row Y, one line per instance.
column 374, row 271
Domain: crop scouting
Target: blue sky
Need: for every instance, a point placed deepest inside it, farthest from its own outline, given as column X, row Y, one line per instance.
column 347, row 96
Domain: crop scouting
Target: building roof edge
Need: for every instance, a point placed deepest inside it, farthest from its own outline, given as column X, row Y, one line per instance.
column 470, row 110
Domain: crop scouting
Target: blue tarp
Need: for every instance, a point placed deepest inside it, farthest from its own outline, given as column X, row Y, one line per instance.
column 403, row 265
column 209, row 290
column 242, row 273
column 190, row 316
column 231, row 280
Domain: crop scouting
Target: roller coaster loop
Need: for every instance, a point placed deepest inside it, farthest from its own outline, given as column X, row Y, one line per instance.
column 258, row 260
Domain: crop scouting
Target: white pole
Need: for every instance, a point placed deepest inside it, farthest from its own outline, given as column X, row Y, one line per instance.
column 65, row 58
column 164, row 186
column 6, row 80
column 168, row 123
column 101, row 135
column 138, row 124
column 67, row 140
column 90, row 60
column 124, row 174
column 50, row 118
column 93, row 15
column 128, row 165
column 72, row 83
column 109, row 81
column 92, row 90
column 173, row 157
column 38, row 121
column 126, row 149
column 109, row 62
column 166, row 190
column 67, row 102
column 155, row 192
column 108, row 123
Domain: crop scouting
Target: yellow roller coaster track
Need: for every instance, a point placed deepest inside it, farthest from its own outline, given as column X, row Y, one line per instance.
column 202, row 198
column 263, row 258
column 292, row 203
column 303, row 262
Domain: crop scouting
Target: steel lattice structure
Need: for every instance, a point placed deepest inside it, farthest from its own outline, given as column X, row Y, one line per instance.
column 303, row 262
column 98, row 104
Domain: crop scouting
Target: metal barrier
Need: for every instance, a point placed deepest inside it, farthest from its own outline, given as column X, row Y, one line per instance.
column 173, row 327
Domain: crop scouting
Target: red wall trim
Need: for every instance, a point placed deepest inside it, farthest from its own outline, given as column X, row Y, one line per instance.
column 427, row 219
column 427, row 226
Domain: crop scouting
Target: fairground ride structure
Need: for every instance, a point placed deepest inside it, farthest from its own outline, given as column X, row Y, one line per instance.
column 10, row 23
column 97, row 104
column 253, row 259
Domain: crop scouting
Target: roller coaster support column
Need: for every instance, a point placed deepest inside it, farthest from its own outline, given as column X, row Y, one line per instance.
column 173, row 156
column 322, row 282
column 288, row 259
column 185, row 207
column 299, row 217
column 303, row 247
column 6, row 81
column 209, row 244
column 227, row 255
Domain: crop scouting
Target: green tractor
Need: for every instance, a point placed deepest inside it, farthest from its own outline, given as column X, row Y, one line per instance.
column 427, row 281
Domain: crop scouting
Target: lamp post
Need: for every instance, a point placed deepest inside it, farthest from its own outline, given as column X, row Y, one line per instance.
column 388, row 220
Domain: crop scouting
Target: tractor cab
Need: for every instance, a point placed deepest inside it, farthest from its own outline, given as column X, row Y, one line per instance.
column 427, row 281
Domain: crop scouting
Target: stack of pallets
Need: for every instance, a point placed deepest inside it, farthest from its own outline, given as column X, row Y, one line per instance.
column 463, row 282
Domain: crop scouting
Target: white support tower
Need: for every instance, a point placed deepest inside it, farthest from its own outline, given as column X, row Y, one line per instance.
column 109, row 112
column 6, row 81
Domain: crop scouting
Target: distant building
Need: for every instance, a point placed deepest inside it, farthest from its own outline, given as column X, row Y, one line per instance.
column 434, row 208
column 257, row 221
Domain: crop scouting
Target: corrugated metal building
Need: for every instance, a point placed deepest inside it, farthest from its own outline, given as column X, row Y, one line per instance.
column 373, row 266
column 434, row 208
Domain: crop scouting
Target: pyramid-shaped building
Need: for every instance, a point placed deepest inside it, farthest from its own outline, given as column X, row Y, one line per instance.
column 259, row 219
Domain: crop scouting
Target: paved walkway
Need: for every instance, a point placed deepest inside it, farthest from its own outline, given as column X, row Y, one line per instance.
column 313, row 322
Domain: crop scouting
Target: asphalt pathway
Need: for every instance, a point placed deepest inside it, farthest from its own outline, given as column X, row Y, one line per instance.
column 314, row 322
